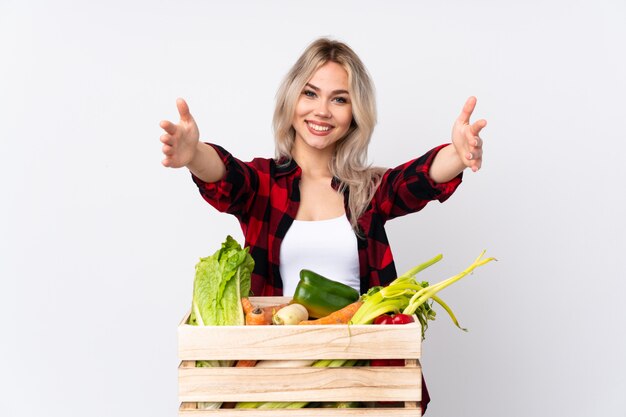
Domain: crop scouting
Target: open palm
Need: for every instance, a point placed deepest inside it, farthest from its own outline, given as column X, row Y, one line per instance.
column 466, row 136
column 180, row 141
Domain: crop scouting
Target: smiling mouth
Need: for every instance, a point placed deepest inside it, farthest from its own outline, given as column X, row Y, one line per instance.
column 318, row 127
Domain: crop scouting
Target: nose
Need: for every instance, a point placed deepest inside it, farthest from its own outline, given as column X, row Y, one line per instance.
column 322, row 110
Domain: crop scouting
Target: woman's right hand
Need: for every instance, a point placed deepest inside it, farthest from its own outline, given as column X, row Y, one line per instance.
column 180, row 141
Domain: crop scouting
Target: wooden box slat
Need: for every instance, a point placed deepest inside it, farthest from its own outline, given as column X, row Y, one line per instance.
column 306, row 412
column 299, row 342
column 300, row 384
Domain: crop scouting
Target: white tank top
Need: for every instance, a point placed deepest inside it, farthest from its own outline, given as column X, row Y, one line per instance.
column 328, row 247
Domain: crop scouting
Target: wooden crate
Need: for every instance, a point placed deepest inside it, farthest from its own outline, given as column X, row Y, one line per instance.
column 306, row 384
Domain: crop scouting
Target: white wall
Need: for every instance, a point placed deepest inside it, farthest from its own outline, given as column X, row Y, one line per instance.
column 99, row 241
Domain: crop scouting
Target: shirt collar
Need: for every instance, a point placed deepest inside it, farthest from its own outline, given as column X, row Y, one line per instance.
column 292, row 167
column 283, row 168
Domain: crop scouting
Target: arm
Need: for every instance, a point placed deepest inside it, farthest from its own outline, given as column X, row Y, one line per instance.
column 409, row 187
column 466, row 150
column 235, row 192
column 182, row 148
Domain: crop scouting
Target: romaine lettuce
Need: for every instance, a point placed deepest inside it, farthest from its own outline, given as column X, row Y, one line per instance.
column 221, row 280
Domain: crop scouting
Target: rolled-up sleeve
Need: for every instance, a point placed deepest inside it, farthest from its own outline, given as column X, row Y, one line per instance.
column 234, row 193
column 409, row 187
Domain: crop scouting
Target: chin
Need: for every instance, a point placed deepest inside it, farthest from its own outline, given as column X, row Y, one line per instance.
column 319, row 145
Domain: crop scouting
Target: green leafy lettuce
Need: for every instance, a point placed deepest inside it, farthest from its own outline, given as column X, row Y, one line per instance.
column 221, row 280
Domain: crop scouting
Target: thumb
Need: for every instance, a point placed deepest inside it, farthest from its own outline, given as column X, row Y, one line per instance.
column 468, row 109
column 183, row 110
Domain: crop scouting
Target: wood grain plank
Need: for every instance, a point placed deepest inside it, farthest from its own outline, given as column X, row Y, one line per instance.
column 299, row 342
column 269, row 301
column 306, row 412
column 300, row 384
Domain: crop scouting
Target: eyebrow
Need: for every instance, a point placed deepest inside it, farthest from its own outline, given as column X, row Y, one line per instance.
column 333, row 92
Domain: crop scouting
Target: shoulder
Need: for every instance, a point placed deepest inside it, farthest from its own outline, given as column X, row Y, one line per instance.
column 264, row 167
column 260, row 164
column 263, row 164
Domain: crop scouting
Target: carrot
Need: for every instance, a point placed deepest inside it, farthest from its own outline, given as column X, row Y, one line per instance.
column 342, row 316
column 245, row 363
column 247, row 305
column 259, row 315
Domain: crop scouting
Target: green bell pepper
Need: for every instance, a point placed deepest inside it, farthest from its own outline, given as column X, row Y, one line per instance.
column 322, row 296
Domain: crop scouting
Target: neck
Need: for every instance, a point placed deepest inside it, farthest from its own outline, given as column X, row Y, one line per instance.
column 313, row 162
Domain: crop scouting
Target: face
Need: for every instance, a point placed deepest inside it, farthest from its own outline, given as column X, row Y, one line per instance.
column 324, row 111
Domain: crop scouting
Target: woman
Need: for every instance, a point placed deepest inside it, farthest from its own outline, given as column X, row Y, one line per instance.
column 318, row 204
column 320, row 181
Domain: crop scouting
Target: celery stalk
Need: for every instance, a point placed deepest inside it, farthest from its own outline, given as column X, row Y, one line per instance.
column 448, row 310
column 430, row 291
column 249, row 404
column 394, row 305
column 278, row 405
column 414, row 271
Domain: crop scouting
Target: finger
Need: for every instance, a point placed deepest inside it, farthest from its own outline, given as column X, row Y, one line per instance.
column 477, row 165
column 475, row 160
column 477, row 126
column 183, row 109
column 167, row 140
column 468, row 108
column 167, row 150
column 472, row 139
column 168, row 126
column 477, row 155
column 475, row 142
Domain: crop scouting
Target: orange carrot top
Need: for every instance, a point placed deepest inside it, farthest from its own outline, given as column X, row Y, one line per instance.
column 342, row 316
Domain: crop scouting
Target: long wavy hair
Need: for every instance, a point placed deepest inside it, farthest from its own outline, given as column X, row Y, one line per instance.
column 349, row 164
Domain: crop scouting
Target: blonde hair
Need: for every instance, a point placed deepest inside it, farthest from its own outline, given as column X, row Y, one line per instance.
column 349, row 165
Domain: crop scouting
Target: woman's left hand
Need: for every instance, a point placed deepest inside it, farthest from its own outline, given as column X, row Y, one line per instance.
column 466, row 137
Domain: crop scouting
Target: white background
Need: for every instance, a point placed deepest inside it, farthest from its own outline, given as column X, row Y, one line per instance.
column 98, row 241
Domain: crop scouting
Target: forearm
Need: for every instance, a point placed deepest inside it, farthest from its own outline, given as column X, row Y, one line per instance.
column 206, row 164
column 446, row 165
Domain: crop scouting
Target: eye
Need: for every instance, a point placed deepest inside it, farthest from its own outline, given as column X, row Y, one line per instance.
column 341, row 100
column 309, row 93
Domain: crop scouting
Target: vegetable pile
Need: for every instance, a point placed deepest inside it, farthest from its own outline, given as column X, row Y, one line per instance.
column 222, row 286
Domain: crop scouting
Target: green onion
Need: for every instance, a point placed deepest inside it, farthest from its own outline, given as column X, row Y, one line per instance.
column 405, row 294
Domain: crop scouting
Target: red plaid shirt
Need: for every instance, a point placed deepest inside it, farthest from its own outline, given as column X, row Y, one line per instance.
column 265, row 197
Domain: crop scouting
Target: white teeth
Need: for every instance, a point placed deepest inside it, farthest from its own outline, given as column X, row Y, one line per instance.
column 319, row 128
